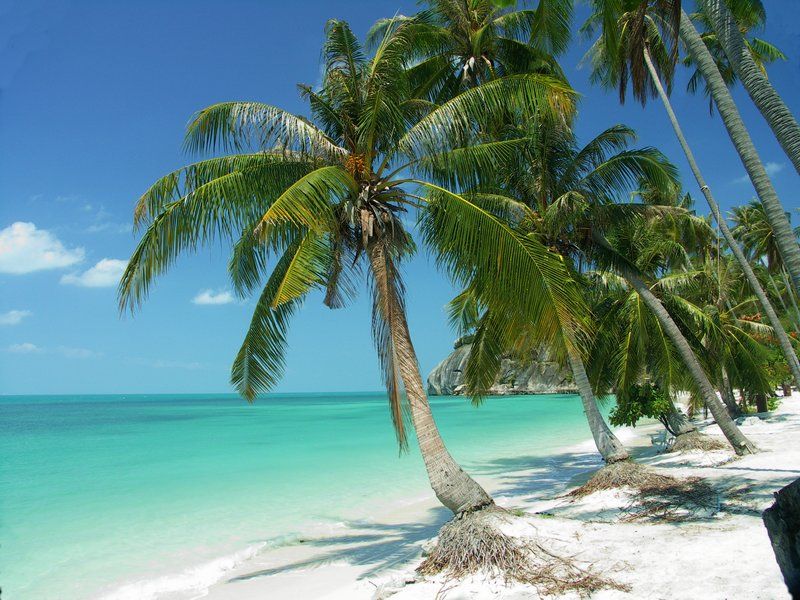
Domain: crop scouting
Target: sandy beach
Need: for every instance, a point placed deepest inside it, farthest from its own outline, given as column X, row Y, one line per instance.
column 719, row 553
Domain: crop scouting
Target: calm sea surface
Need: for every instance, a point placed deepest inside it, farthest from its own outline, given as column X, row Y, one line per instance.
column 156, row 496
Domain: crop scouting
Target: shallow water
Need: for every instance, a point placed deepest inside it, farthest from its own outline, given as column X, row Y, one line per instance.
column 158, row 496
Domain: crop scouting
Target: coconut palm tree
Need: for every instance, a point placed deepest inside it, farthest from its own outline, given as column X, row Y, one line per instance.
column 566, row 195
column 749, row 15
column 639, row 42
column 730, row 21
column 755, row 235
column 324, row 196
column 462, row 43
column 779, row 222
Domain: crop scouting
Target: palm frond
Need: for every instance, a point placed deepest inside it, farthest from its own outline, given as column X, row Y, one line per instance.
column 260, row 361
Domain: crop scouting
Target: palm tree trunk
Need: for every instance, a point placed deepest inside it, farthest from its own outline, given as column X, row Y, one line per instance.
column 778, row 295
column 737, row 439
column 772, row 107
column 792, row 297
column 784, row 236
column 678, row 423
column 609, row 446
column 774, row 321
column 727, row 395
column 451, row 484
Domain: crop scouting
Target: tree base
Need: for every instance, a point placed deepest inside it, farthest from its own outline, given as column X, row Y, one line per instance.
column 656, row 497
column 622, row 474
column 473, row 543
column 694, row 440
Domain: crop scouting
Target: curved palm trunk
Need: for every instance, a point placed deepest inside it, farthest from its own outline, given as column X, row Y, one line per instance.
column 755, row 82
column 727, row 395
column 784, row 236
column 678, row 423
column 607, row 443
column 451, row 484
column 779, row 296
column 792, row 298
column 774, row 321
column 737, row 439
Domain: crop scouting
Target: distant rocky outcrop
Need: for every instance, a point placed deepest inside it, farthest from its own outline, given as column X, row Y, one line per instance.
column 540, row 376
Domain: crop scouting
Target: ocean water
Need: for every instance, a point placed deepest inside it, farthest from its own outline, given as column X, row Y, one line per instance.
column 153, row 497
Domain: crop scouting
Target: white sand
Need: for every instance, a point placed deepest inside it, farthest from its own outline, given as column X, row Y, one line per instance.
column 726, row 555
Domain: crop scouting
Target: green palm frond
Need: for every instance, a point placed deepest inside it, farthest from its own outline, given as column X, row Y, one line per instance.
column 219, row 208
column 626, row 169
column 242, row 126
column 259, row 364
column 455, row 120
column 465, row 167
column 552, row 26
column 388, row 313
column 267, row 173
column 308, row 201
column 511, row 274
column 463, row 312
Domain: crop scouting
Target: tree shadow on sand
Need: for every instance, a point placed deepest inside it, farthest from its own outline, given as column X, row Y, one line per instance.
column 377, row 546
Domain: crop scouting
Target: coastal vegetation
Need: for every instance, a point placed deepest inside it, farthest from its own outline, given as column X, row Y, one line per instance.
column 454, row 130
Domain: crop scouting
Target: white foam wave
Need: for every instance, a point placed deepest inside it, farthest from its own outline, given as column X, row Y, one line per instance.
column 193, row 582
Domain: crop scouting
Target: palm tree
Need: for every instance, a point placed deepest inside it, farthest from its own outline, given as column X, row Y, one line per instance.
column 779, row 222
column 753, row 231
column 683, row 347
column 728, row 23
column 462, row 43
column 749, row 17
column 641, row 33
column 325, row 197
column 566, row 195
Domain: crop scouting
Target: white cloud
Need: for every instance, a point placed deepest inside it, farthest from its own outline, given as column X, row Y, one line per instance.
column 105, row 273
column 168, row 364
column 772, row 169
column 65, row 351
column 24, row 348
column 25, row 249
column 109, row 227
column 80, row 353
column 210, row 297
column 14, row 317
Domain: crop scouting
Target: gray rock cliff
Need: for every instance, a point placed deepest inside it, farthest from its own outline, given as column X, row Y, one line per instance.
column 540, row 376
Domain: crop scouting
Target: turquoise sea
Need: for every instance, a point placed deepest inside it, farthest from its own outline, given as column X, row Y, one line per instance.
column 157, row 496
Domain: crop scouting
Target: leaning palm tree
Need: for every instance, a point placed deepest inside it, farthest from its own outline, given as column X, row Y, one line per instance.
column 755, row 235
column 779, row 222
column 749, row 16
column 459, row 44
column 325, row 195
column 567, row 196
column 727, row 19
column 642, row 51
column 575, row 201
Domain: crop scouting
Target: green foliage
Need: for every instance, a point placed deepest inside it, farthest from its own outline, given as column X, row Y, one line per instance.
column 317, row 203
column 640, row 401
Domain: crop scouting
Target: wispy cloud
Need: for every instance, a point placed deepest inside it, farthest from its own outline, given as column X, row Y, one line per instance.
column 109, row 227
column 106, row 273
column 23, row 348
column 14, row 317
column 25, row 249
column 212, row 298
column 168, row 364
column 65, row 351
column 772, row 169
column 79, row 353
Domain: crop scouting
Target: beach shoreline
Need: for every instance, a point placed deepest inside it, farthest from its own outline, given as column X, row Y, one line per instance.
column 727, row 555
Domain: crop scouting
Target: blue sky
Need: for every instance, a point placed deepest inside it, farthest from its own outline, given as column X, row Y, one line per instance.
column 93, row 100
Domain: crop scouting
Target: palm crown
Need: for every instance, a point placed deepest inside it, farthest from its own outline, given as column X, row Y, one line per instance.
column 462, row 43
